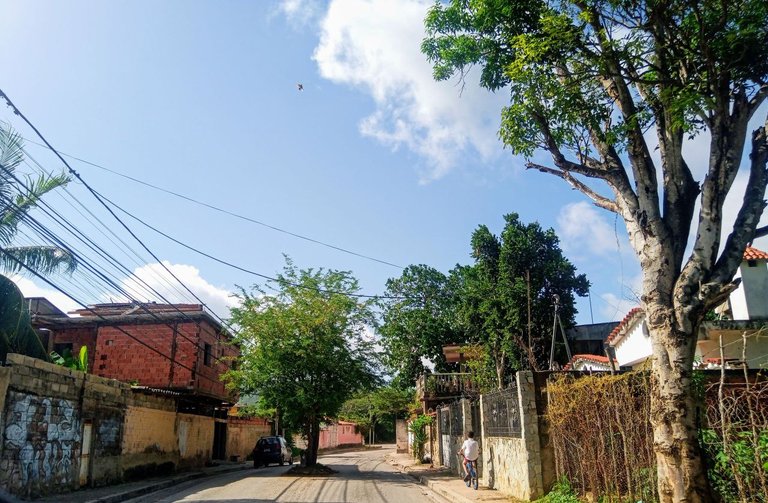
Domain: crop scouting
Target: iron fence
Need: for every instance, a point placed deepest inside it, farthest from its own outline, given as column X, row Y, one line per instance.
column 501, row 413
column 457, row 419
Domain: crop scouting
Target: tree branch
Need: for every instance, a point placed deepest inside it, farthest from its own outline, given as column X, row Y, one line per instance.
column 601, row 201
column 751, row 209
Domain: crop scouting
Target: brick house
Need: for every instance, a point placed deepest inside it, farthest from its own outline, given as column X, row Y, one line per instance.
column 191, row 351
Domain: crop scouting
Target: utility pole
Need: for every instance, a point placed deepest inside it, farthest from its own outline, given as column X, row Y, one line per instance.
column 557, row 322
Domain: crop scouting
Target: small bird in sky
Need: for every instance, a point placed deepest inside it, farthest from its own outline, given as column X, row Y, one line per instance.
column 300, row 86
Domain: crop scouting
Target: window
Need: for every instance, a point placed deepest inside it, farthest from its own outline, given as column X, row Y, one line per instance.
column 62, row 347
column 207, row 355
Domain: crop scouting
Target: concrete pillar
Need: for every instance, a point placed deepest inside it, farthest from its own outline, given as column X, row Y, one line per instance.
column 529, row 423
column 401, row 436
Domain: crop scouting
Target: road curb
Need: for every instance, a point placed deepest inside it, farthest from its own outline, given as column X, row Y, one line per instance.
column 162, row 484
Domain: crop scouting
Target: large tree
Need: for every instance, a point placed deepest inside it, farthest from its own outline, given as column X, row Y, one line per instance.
column 19, row 195
column 304, row 349
column 419, row 317
column 508, row 299
column 600, row 85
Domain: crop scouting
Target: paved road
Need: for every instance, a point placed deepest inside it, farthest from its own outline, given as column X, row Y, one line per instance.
column 364, row 477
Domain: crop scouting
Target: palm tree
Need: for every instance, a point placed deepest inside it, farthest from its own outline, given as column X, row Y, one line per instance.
column 17, row 198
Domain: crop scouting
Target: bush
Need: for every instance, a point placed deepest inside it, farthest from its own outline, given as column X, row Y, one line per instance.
column 562, row 492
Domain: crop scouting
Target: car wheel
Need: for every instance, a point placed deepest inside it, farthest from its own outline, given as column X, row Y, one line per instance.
column 290, row 460
column 282, row 460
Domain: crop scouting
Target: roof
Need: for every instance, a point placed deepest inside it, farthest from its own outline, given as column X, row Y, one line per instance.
column 754, row 254
column 603, row 360
column 116, row 314
column 592, row 332
column 624, row 325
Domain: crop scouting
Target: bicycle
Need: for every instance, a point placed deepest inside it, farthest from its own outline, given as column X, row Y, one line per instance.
column 472, row 471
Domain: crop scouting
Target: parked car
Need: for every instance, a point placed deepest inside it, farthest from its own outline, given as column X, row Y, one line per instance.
column 271, row 450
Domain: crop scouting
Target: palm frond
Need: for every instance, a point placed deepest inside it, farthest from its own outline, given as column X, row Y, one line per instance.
column 11, row 155
column 42, row 259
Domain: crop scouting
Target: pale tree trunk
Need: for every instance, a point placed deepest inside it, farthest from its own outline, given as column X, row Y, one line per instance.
column 680, row 470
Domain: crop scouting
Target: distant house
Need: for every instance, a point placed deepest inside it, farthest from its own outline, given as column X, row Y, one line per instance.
column 590, row 363
column 744, row 314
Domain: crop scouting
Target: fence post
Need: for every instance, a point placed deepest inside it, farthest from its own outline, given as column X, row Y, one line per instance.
column 438, row 424
column 529, row 424
column 466, row 413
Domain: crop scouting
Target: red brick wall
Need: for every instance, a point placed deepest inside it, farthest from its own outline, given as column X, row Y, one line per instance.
column 115, row 355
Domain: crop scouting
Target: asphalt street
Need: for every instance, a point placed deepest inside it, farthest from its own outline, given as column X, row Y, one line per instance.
column 364, row 477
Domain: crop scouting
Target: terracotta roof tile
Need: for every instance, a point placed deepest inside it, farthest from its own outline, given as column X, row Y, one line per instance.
column 616, row 332
column 589, row 358
column 754, row 254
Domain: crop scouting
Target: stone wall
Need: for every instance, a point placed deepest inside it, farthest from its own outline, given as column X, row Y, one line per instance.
column 513, row 465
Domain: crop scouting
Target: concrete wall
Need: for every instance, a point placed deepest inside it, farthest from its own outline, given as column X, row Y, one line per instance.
column 242, row 434
column 342, row 434
column 48, row 412
column 750, row 300
column 150, row 445
column 635, row 346
column 195, row 439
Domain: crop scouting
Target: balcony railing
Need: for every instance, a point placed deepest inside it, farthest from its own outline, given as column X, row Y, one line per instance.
column 444, row 385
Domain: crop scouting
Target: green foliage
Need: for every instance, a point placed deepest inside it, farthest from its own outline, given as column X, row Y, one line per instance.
column 304, row 349
column 368, row 408
column 484, row 305
column 552, row 55
column 67, row 359
column 16, row 332
column 524, row 263
column 420, row 323
column 418, row 427
column 17, row 198
column 736, row 462
column 561, row 492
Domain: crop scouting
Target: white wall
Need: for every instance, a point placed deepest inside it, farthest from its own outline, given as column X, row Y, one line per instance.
column 750, row 300
column 635, row 346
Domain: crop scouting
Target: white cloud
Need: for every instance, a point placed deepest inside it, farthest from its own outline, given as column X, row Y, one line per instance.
column 583, row 227
column 375, row 45
column 300, row 13
column 218, row 300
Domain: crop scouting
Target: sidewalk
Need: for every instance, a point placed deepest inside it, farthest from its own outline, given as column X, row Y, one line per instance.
column 122, row 492
column 444, row 483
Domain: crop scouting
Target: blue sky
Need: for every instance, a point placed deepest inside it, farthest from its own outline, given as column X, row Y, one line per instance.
column 201, row 98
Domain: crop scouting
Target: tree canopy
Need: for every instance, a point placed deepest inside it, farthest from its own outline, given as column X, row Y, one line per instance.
column 304, row 349
column 485, row 304
column 604, row 87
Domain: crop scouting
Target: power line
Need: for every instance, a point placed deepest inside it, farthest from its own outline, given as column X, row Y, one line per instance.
column 95, row 194
column 240, row 268
column 228, row 212
column 103, row 318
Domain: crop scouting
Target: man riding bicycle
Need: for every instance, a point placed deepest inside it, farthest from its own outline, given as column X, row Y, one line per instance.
column 470, row 450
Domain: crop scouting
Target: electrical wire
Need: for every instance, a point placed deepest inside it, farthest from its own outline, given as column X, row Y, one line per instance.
column 95, row 194
column 103, row 318
column 227, row 212
column 241, row 268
